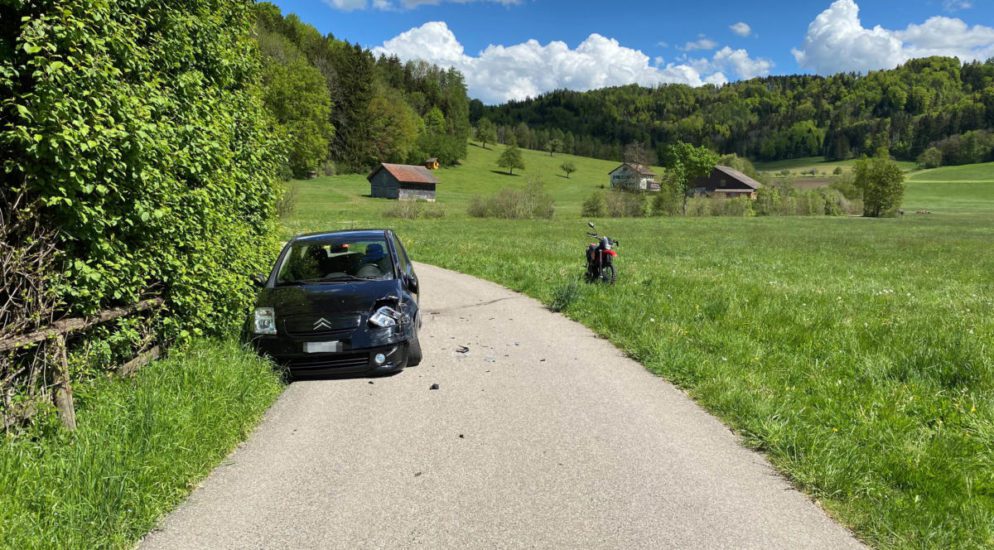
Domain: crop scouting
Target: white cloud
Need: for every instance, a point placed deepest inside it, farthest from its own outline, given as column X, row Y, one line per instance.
column 392, row 5
column 957, row 5
column 500, row 73
column 837, row 41
column 702, row 43
column 741, row 28
column 741, row 64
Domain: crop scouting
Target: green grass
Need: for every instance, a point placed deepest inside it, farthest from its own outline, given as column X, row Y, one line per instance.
column 343, row 201
column 969, row 173
column 856, row 353
column 824, row 167
column 141, row 446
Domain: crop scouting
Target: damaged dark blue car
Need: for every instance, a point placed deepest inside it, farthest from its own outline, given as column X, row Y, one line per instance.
column 342, row 303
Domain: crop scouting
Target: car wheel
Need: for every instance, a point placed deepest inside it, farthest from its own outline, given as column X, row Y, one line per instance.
column 414, row 351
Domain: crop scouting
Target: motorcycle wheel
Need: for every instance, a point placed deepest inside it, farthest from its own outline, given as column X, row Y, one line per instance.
column 608, row 275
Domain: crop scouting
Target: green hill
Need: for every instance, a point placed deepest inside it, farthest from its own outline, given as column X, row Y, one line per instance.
column 345, row 199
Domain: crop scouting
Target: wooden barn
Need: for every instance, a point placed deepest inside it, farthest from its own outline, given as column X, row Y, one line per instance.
column 727, row 182
column 404, row 182
column 634, row 177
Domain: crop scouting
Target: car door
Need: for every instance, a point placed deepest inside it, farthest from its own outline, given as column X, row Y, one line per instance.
column 406, row 268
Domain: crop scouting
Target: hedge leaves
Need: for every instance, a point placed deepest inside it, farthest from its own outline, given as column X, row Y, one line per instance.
column 138, row 127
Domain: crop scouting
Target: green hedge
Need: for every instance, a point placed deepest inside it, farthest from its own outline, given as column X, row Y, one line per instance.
column 138, row 126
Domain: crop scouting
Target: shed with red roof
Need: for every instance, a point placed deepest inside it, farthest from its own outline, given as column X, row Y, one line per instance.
column 402, row 181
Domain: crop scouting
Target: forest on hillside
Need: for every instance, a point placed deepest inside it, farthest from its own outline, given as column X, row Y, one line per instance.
column 343, row 109
column 936, row 105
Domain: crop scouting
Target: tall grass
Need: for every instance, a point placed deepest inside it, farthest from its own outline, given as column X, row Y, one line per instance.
column 141, row 446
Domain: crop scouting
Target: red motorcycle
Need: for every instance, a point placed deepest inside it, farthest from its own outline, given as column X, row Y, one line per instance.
column 600, row 259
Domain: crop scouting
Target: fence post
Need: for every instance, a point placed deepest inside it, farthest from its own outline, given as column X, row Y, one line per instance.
column 63, row 388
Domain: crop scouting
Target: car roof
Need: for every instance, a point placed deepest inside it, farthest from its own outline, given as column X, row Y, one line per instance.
column 349, row 234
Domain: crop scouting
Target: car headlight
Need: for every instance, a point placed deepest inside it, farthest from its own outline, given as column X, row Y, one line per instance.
column 385, row 317
column 265, row 321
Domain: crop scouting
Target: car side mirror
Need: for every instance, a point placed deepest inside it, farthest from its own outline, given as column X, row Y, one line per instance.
column 259, row 280
column 411, row 282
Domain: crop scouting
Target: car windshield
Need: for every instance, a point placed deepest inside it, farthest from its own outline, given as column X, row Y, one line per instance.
column 336, row 260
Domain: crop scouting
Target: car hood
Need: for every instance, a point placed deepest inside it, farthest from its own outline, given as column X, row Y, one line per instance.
column 329, row 299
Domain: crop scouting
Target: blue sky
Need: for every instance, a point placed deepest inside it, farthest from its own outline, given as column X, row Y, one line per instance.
column 610, row 43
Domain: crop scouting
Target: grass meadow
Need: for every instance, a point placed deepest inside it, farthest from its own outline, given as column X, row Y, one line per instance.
column 823, row 167
column 141, row 446
column 856, row 353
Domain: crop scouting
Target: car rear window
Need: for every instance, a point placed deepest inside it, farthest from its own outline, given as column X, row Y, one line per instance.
column 336, row 259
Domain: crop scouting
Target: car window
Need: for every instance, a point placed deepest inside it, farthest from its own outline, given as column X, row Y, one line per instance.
column 336, row 259
column 405, row 263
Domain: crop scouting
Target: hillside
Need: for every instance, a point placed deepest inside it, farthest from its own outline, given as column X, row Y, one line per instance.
column 843, row 116
column 346, row 198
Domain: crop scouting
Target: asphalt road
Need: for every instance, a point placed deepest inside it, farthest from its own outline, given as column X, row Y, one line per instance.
column 540, row 436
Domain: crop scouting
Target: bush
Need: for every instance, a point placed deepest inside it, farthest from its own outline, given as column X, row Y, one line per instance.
column 287, row 201
column 515, row 204
column 740, row 207
column 668, row 201
column 838, row 171
column 415, row 210
column 594, row 206
column 930, row 158
column 835, row 203
column 847, row 186
column 140, row 130
column 625, row 204
column 767, row 201
column 699, row 206
column 809, row 203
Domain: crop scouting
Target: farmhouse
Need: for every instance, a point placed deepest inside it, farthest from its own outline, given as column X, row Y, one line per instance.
column 727, row 182
column 634, row 177
column 401, row 181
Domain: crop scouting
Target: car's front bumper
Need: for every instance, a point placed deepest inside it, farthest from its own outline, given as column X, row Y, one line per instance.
column 348, row 362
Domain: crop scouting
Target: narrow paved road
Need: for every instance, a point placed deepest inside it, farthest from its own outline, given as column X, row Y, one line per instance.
column 541, row 436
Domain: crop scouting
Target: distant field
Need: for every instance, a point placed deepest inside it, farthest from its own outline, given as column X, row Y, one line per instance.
column 341, row 200
column 822, row 166
column 855, row 353
column 971, row 173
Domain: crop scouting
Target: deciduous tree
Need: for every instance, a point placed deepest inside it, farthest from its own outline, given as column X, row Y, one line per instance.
column 882, row 183
column 486, row 132
column 511, row 158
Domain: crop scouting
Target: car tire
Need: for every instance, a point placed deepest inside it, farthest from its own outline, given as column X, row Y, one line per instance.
column 414, row 351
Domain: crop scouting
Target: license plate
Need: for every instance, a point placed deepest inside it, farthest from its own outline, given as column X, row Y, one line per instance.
column 322, row 347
